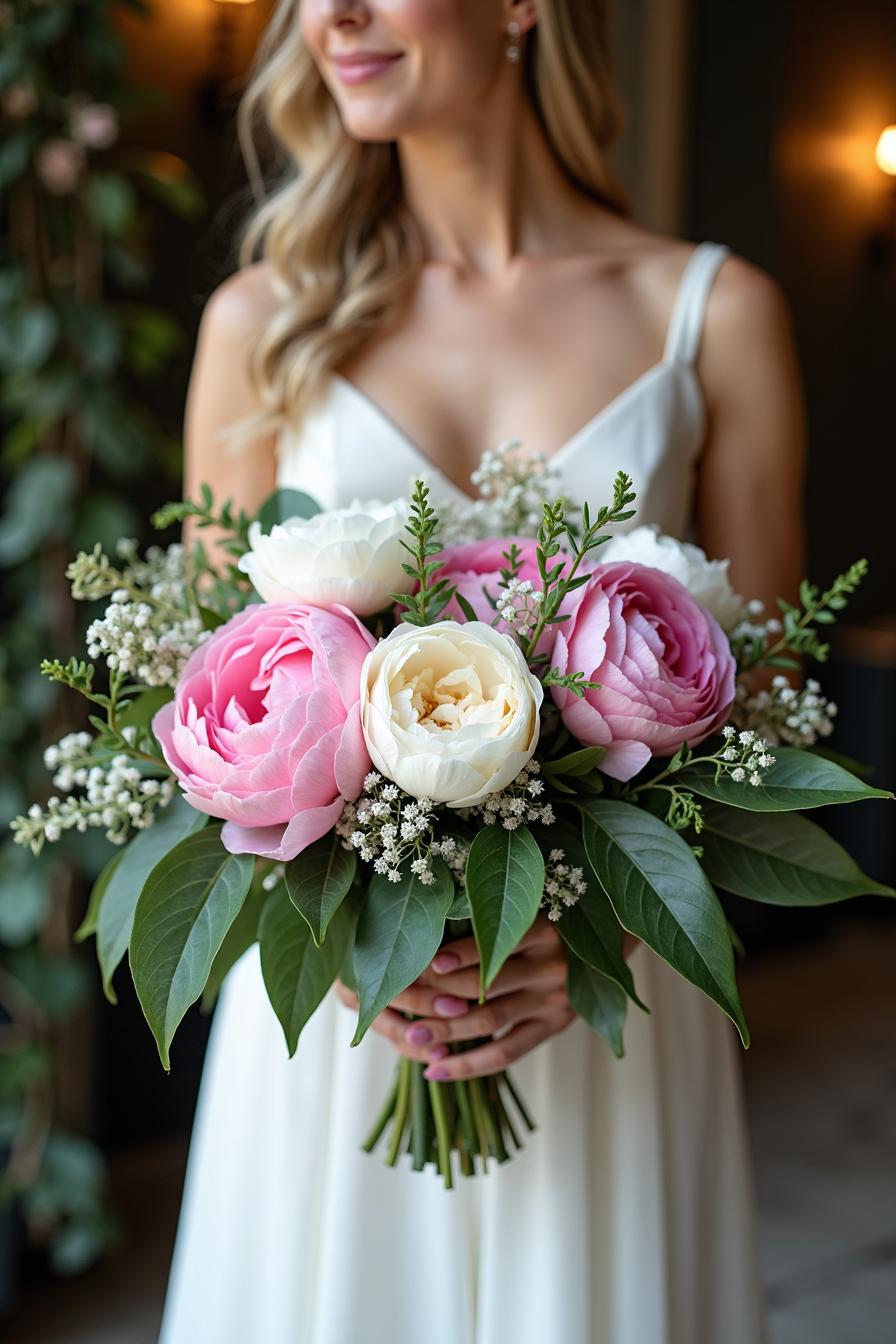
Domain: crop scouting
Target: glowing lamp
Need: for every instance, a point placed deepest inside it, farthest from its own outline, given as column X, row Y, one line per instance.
column 885, row 152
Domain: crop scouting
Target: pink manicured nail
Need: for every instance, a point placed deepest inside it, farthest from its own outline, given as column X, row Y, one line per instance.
column 438, row 1052
column 445, row 961
column 446, row 1005
column 436, row 1073
column 418, row 1035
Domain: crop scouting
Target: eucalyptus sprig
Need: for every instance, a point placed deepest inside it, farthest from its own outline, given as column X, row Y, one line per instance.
column 556, row 584
column 799, row 637
column 433, row 595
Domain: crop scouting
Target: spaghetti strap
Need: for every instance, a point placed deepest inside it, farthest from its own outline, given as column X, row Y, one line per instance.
column 686, row 323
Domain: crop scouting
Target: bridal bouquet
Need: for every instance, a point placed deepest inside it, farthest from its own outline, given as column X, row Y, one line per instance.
column 364, row 732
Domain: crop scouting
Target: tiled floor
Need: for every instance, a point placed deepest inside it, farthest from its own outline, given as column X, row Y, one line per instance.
column 821, row 1089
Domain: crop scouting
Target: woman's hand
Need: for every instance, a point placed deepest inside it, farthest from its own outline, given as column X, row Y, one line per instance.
column 528, row 996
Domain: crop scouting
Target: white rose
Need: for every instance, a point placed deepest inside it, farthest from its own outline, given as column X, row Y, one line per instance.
column 706, row 580
column 350, row 556
column 449, row 711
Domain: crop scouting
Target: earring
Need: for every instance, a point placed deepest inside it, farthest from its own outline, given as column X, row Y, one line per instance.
column 512, row 49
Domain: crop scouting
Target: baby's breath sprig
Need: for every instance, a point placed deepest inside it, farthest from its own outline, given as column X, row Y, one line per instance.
column 389, row 828
column 433, row 595
column 555, row 583
column 519, row 804
column 753, row 647
column 563, row 885
column 784, row 714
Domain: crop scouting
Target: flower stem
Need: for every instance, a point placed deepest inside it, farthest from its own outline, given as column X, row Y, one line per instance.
column 401, row 1110
column 443, row 1135
column 382, row 1119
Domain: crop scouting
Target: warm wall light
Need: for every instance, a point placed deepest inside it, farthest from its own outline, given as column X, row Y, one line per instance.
column 885, row 153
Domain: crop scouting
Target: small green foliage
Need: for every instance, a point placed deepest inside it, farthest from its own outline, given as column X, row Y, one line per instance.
column 555, row 585
column 433, row 595
column 800, row 639
column 571, row 681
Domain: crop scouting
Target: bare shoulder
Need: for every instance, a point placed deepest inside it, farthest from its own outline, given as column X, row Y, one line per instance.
column 241, row 304
column 746, row 302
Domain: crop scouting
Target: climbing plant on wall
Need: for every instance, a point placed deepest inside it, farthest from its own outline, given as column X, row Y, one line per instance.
column 80, row 354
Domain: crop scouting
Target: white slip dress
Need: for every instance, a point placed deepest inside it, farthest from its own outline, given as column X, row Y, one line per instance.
column 628, row 1218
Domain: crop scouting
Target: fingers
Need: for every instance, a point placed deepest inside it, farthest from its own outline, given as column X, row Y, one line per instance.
column 483, row 1021
column 463, row 952
column 523, row 970
column 495, row 1056
column 394, row 1025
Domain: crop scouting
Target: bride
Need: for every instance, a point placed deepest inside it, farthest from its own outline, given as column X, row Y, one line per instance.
column 454, row 266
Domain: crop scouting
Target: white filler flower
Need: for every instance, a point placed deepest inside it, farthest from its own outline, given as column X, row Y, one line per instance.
column 449, row 711
column 706, row 580
column 351, row 556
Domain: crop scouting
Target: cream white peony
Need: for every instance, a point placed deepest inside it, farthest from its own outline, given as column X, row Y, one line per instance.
column 706, row 580
column 351, row 557
column 449, row 711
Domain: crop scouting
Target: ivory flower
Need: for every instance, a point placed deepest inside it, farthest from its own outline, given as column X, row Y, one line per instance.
column 348, row 557
column 449, row 711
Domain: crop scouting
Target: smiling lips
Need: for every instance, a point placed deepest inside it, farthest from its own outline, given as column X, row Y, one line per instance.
column 363, row 65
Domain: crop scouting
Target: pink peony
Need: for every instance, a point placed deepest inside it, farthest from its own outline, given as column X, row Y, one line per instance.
column 264, row 730
column 475, row 565
column 664, row 663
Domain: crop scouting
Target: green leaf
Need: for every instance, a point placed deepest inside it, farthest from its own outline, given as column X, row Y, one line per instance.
column 187, row 904
column 399, row 932
column 28, row 337
column 297, row 972
column 116, row 913
column 779, row 859
column 37, row 509
column 505, row 882
column 590, row 928
column 598, row 1000
column 242, row 933
column 283, row 504
column 798, row 779
column 88, row 924
column 576, row 763
column 318, row 881
column 661, row 894
column 111, row 202
column 142, row 709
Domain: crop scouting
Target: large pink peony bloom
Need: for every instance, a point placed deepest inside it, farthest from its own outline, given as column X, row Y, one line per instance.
column 264, row 730
column 665, row 667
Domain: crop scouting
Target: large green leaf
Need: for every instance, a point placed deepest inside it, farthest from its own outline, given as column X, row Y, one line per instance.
column 187, row 904
column 297, row 972
column 399, row 932
column 98, row 891
column 116, row 913
column 779, row 858
column 505, row 883
column 797, row 780
column 661, row 894
column 318, row 881
column 590, row 928
column 284, row 504
column 598, row 1000
column 242, row 933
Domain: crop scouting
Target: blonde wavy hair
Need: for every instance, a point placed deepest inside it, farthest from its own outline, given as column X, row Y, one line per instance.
column 342, row 247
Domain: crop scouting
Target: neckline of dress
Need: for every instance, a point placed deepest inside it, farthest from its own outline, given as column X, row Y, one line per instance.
column 662, row 366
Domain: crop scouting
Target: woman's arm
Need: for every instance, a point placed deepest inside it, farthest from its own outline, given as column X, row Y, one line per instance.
column 749, row 507
column 220, row 393
column 749, row 500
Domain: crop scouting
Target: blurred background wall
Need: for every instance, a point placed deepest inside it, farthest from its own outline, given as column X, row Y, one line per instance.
column 752, row 127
